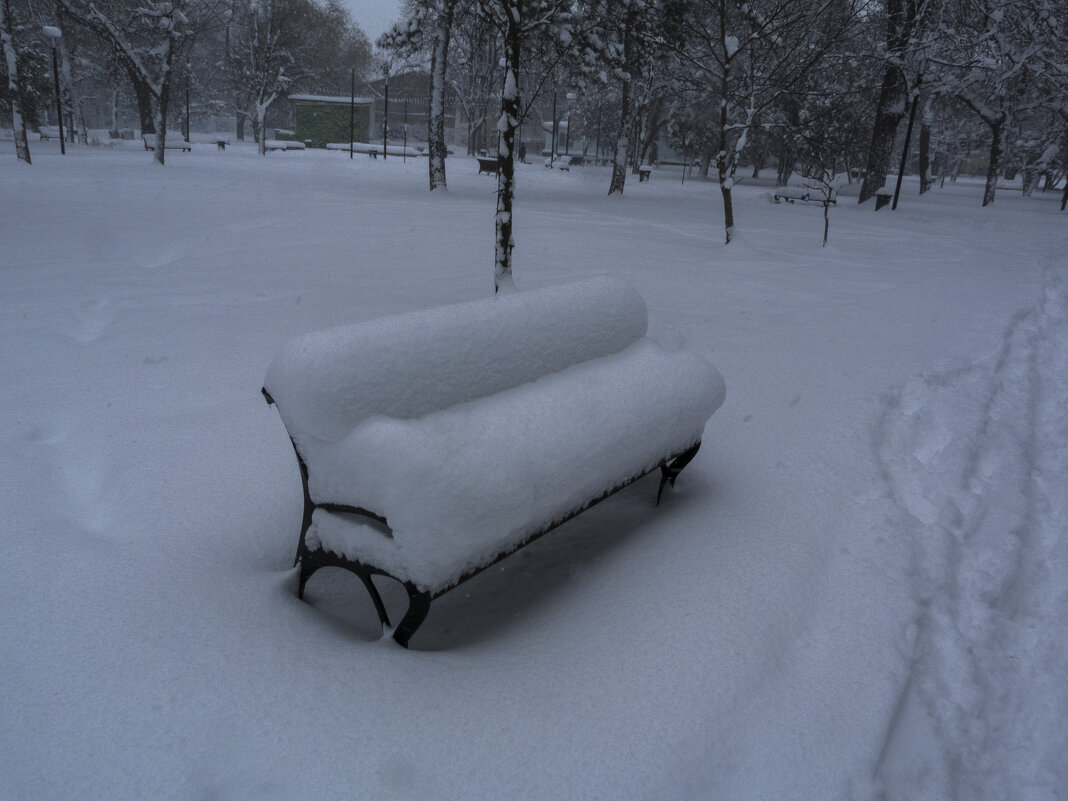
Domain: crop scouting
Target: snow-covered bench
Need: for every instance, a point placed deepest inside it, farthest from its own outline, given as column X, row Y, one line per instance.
column 176, row 143
column 488, row 165
column 435, row 443
column 283, row 144
column 806, row 195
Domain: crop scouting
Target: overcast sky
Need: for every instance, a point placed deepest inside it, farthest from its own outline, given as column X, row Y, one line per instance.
column 374, row 16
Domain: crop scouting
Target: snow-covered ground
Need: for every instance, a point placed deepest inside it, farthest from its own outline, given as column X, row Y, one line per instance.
column 858, row 590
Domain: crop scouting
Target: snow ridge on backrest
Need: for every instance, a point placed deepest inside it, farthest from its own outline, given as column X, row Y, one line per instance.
column 408, row 365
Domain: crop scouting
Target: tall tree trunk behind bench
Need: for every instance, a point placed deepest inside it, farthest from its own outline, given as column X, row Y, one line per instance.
column 926, row 181
column 143, row 92
column 888, row 114
column 436, row 125
column 626, row 124
column 507, row 126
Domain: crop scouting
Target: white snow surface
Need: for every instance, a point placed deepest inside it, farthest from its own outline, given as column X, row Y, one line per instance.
column 857, row 590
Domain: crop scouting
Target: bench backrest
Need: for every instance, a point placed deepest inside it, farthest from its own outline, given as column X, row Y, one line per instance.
column 408, row 365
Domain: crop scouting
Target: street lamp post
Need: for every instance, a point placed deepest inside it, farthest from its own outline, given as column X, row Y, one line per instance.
column 188, row 67
column 552, row 139
column 567, row 129
column 54, row 34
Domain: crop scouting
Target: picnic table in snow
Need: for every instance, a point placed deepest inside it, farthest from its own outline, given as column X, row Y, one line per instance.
column 435, row 443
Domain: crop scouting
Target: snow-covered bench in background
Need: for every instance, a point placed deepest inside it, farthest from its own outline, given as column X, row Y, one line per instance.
column 818, row 195
column 175, row 143
column 435, row 443
column 283, row 144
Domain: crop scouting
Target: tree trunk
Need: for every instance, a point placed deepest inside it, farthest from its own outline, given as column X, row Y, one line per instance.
column 161, row 122
column 261, row 126
column 706, row 162
column 996, row 147
column 786, row 165
column 71, row 96
column 724, row 163
column 143, row 93
column 724, row 169
column 7, row 43
column 1030, row 180
column 507, row 125
column 241, row 127
column 925, row 156
column 619, row 159
column 889, row 112
column 436, row 123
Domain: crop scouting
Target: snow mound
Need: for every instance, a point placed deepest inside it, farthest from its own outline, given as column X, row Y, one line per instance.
column 409, row 365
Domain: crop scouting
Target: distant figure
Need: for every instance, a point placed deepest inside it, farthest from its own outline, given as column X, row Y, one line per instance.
column 522, row 151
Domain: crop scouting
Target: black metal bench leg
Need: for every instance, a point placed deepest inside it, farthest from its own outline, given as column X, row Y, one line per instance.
column 376, row 599
column 307, row 568
column 669, row 472
column 418, row 608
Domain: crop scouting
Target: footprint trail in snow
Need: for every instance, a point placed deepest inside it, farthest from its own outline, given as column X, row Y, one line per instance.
column 976, row 461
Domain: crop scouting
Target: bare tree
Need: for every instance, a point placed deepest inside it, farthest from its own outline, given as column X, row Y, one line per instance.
column 743, row 59
column 1004, row 60
column 7, row 42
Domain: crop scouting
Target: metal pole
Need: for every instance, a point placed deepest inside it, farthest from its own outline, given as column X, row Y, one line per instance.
column 385, row 120
column 404, row 153
column 552, row 138
column 352, row 112
column 187, row 106
column 908, row 137
column 597, row 146
column 59, row 102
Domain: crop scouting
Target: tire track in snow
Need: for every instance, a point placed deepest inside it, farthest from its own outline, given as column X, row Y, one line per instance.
column 976, row 460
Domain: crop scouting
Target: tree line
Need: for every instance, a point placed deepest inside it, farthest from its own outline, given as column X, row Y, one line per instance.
column 816, row 87
column 242, row 54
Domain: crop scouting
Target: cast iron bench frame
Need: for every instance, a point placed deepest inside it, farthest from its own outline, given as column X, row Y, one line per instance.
column 488, row 165
column 170, row 144
column 791, row 195
column 310, row 560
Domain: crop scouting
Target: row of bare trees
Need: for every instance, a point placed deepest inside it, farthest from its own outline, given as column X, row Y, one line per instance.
column 242, row 54
column 821, row 87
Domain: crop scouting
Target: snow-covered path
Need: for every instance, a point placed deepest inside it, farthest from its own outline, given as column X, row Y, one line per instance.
column 856, row 591
column 976, row 460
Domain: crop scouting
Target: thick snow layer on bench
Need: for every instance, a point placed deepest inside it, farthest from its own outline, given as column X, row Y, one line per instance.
column 461, row 485
column 405, row 366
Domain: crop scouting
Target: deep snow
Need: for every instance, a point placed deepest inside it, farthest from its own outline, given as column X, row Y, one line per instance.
column 858, row 590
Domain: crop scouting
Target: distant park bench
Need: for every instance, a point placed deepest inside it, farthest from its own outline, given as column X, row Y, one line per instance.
column 49, row 132
column 172, row 144
column 645, row 171
column 564, row 163
column 283, row 144
column 488, row 165
column 799, row 195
